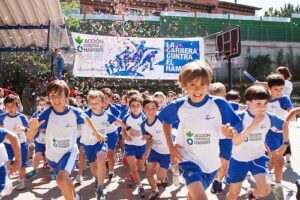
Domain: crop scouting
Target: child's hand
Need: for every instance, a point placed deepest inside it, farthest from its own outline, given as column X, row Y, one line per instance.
column 34, row 124
column 133, row 133
column 128, row 138
column 175, row 153
column 146, row 137
column 17, row 128
column 100, row 137
column 15, row 167
column 228, row 130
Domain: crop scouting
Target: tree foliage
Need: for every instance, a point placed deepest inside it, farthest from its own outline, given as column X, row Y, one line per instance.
column 285, row 11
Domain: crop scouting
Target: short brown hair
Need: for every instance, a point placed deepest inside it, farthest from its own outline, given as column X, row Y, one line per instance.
column 275, row 80
column 58, row 86
column 195, row 70
column 107, row 91
column 135, row 98
column 217, row 88
column 232, row 95
column 257, row 92
column 150, row 100
column 94, row 94
column 285, row 72
column 11, row 98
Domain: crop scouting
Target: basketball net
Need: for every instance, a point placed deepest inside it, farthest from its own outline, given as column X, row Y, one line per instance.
column 214, row 61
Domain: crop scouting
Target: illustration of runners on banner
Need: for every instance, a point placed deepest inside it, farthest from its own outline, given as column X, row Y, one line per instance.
column 126, row 57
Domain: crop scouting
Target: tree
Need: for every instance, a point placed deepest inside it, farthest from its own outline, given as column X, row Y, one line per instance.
column 285, row 11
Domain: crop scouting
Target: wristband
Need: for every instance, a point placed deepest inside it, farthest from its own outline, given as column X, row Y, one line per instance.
column 128, row 128
column 287, row 143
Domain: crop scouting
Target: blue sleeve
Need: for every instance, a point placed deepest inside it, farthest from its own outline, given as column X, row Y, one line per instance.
column 3, row 134
column 235, row 106
column 169, row 113
column 45, row 116
column 123, row 112
column 227, row 113
column 143, row 127
column 239, row 127
column 276, row 123
column 80, row 116
column 2, row 117
column 24, row 120
column 111, row 118
column 285, row 103
column 114, row 111
column 88, row 112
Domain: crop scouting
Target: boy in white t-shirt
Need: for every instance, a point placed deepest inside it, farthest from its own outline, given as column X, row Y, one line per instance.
column 248, row 153
column 61, row 123
column 201, row 118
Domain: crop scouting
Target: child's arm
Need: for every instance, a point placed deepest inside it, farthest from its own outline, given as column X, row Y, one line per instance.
column 15, row 144
column 286, row 142
column 125, row 135
column 33, row 125
column 292, row 114
column 100, row 137
column 174, row 149
column 131, row 131
column 239, row 138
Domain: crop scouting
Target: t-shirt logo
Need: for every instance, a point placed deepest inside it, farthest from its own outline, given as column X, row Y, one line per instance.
column 263, row 126
column 190, row 141
column 68, row 125
column 208, row 117
column 54, row 142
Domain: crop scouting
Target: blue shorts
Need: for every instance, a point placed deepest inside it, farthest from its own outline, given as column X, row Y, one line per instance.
column 24, row 151
column 3, row 177
column 225, row 148
column 79, row 144
column 137, row 151
column 162, row 159
column 92, row 150
column 237, row 171
column 112, row 140
column 67, row 163
column 39, row 147
column 191, row 173
column 274, row 140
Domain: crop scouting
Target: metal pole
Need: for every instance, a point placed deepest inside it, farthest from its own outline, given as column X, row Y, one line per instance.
column 229, row 74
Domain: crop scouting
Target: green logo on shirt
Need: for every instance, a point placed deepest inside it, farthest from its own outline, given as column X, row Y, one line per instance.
column 190, row 141
column 54, row 142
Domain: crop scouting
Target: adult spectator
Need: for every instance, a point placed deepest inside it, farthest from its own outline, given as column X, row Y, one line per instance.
column 29, row 98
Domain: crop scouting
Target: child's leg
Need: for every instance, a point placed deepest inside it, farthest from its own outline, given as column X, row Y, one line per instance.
column 65, row 185
column 112, row 139
column 36, row 160
column 277, row 161
column 196, row 191
column 234, row 191
column 162, row 174
column 223, row 169
column 132, row 162
column 101, row 169
column 81, row 160
column 262, row 188
column 150, row 175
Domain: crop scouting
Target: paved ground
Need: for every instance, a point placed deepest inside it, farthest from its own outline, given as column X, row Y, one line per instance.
column 42, row 188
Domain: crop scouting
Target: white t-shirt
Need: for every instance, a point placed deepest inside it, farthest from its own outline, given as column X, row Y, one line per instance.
column 103, row 122
column 288, row 87
column 61, row 131
column 280, row 106
column 159, row 140
column 135, row 123
column 253, row 146
column 10, row 122
column 200, row 128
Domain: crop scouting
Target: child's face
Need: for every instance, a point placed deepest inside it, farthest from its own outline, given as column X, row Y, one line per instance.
column 95, row 104
column 170, row 97
column 135, row 107
column 257, row 106
column 42, row 105
column 276, row 91
column 11, row 108
column 58, row 100
column 106, row 101
column 196, row 89
column 160, row 101
column 150, row 109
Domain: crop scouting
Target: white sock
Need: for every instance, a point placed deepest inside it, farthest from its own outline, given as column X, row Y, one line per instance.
column 111, row 172
column 77, row 197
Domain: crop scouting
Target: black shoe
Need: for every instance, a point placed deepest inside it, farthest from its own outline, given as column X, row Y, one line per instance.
column 100, row 195
column 154, row 195
column 165, row 184
column 216, row 187
column 111, row 178
column 96, row 182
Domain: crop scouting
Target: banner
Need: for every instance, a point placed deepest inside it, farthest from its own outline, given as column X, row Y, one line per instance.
column 139, row 58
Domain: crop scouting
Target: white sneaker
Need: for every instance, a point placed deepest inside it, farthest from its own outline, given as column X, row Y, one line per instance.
column 21, row 185
column 288, row 164
column 7, row 189
column 78, row 178
column 176, row 180
column 278, row 192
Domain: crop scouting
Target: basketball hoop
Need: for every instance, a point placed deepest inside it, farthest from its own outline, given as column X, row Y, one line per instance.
column 215, row 60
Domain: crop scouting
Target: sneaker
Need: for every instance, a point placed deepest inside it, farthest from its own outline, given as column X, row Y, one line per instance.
column 165, row 184
column 31, row 174
column 132, row 184
column 176, row 180
column 100, row 195
column 288, row 164
column 141, row 192
column 7, row 189
column 278, row 192
column 158, row 183
column 29, row 163
column 78, row 178
column 154, row 195
column 96, row 182
column 216, row 187
column 46, row 166
column 21, row 185
column 111, row 178
column 250, row 194
column 52, row 176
